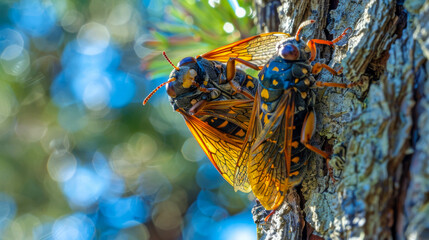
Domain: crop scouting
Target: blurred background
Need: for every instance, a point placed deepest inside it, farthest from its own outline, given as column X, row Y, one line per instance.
column 80, row 157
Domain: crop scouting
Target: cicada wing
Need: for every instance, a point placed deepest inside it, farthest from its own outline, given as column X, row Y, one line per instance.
column 235, row 111
column 241, row 173
column 270, row 155
column 257, row 49
column 220, row 148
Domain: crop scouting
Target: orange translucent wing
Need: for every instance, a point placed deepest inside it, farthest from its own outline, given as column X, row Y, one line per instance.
column 270, row 156
column 222, row 149
column 234, row 111
column 241, row 175
column 257, row 49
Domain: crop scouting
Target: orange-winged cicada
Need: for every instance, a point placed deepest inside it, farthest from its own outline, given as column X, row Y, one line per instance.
column 283, row 119
column 216, row 99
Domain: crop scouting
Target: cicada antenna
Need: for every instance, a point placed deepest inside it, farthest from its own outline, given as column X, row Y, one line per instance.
column 156, row 89
column 165, row 55
column 301, row 26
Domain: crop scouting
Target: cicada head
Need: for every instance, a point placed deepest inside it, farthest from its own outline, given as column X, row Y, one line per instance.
column 292, row 50
column 184, row 89
column 182, row 81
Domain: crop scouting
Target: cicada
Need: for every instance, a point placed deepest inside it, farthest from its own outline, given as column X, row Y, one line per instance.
column 216, row 99
column 283, row 119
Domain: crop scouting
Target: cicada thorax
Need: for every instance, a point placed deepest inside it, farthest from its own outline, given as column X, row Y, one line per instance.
column 199, row 82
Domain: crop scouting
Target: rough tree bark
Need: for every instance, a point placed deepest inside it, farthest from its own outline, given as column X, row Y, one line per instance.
column 380, row 130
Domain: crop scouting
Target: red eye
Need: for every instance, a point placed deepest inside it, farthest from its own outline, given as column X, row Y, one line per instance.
column 186, row 60
column 289, row 52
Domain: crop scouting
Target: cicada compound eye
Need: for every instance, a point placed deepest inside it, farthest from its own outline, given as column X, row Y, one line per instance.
column 289, row 52
column 186, row 61
column 170, row 90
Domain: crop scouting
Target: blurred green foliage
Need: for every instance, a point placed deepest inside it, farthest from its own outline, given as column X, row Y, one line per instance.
column 58, row 127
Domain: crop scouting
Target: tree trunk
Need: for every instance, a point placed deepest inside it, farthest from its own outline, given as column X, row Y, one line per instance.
column 379, row 130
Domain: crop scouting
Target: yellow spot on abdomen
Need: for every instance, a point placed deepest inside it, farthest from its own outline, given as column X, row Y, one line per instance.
column 295, row 159
column 296, row 80
column 294, row 144
column 275, row 82
column 294, row 173
column 223, row 124
column 275, row 69
column 262, row 77
column 250, row 84
column 265, row 93
column 240, row 133
column 264, row 106
column 266, row 120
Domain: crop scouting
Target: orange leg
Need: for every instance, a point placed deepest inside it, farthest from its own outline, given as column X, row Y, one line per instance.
column 230, row 67
column 230, row 74
column 312, row 43
column 269, row 215
column 337, row 85
column 307, row 132
column 318, row 67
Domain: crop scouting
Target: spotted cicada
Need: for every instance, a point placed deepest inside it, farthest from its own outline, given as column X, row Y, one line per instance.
column 283, row 119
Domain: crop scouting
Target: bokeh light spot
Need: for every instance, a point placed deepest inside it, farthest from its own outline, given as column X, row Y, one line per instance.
column 78, row 190
column 14, row 63
column 120, row 15
column 228, row 27
column 93, row 38
column 123, row 89
column 10, row 37
column 76, row 227
column 124, row 212
column 33, row 16
column 72, row 21
column 191, row 151
column 61, row 165
column 167, row 216
column 154, row 186
column 11, row 52
column 240, row 12
column 208, row 177
column 207, row 204
column 30, row 128
column 7, row 210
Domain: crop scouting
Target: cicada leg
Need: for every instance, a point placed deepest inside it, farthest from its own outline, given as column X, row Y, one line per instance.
column 230, row 73
column 318, row 67
column 269, row 215
column 312, row 43
column 338, row 85
column 307, row 132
